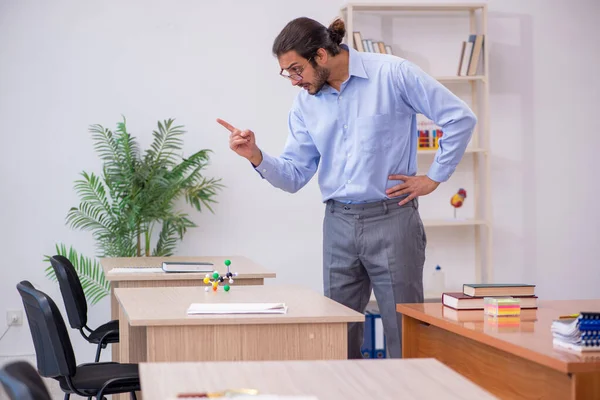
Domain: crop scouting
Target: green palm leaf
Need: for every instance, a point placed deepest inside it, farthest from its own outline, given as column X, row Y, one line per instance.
column 135, row 193
column 95, row 286
column 167, row 141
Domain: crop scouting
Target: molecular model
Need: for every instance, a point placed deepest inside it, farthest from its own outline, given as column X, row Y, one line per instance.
column 215, row 278
column 458, row 199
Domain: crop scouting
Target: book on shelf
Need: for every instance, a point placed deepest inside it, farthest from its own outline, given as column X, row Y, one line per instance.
column 580, row 333
column 471, row 56
column 461, row 301
column 370, row 45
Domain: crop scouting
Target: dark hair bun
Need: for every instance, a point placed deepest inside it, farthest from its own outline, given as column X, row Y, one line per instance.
column 337, row 31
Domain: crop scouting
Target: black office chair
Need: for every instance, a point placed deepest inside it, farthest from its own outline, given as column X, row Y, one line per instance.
column 22, row 382
column 76, row 306
column 55, row 357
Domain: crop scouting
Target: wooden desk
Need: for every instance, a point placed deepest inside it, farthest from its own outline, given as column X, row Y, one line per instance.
column 249, row 273
column 511, row 362
column 155, row 325
column 386, row 379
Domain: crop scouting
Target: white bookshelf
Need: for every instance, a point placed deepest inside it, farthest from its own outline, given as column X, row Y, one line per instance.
column 477, row 155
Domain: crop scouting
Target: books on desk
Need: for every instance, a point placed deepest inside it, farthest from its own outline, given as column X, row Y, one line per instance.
column 237, row 308
column 472, row 296
column 498, row 289
column 182, row 266
column 580, row 333
column 139, row 270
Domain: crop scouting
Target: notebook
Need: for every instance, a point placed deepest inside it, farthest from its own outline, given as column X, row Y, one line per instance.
column 183, row 266
column 581, row 333
column 249, row 397
column 128, row 270
column 237, row 308
column 498, row 289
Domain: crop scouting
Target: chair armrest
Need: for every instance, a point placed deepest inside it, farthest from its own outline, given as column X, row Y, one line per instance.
column 113, row 331
column 97, row 363
column 133, row 381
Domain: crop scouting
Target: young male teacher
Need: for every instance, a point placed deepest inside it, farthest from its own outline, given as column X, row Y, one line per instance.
column 356, row 119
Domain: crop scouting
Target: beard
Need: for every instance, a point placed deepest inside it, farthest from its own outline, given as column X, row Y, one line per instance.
column 321, row 76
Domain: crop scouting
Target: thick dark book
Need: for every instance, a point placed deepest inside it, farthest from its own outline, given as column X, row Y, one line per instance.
column 498, row 289
column 461, row 301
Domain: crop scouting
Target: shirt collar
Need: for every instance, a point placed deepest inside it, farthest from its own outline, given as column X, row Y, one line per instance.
column 355, row 67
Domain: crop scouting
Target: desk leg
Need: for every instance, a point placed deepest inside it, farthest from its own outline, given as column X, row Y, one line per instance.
column 586, row 386
column 248, row 342
column 132, row 348
column 114, row 314
column 410, row 337
column 502, row 374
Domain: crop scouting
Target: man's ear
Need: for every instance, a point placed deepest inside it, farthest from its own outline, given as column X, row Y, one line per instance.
column 322, row 56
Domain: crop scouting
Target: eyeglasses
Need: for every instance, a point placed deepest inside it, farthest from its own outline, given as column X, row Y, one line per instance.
column 296, row 74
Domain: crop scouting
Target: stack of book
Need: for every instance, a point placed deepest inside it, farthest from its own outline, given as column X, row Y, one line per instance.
column 471, row 298
column 580, row 333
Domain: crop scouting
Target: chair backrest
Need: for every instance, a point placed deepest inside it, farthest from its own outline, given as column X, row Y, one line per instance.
column 53, row 348
column 22, row 382
column 71, row 290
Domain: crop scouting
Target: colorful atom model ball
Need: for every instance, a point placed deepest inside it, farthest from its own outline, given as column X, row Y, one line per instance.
column 458, row 199
column 215, row 278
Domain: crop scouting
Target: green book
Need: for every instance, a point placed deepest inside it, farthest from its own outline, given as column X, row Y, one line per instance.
column 498, row 289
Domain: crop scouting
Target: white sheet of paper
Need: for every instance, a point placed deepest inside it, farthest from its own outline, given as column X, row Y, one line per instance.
column 237, row 308
column 263, row 397
column 276, row 397
column 128, row 270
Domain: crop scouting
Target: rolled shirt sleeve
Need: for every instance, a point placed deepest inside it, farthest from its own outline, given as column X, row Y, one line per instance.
column 298, row 162
column 429, row 97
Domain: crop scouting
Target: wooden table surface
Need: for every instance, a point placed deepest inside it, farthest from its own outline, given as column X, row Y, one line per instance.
column 168, row 305
column 532, row 340
column 385, row 379
column 246, row 268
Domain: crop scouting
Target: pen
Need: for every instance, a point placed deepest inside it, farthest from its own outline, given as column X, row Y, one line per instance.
column 569, row 316
column 225, row 393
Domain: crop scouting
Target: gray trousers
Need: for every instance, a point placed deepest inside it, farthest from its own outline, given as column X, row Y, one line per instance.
column 374, row 246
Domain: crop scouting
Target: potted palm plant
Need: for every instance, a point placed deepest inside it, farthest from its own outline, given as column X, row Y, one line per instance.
column 131, row 206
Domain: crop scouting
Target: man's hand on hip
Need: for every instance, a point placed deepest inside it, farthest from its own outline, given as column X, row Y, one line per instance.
column 413, row 186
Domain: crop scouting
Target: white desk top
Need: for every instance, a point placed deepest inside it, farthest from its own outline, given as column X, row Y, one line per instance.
column 168, row 305
column 386, row 379
column 246, row 268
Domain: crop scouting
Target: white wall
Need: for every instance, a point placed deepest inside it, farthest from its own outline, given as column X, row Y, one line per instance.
column 65, row 65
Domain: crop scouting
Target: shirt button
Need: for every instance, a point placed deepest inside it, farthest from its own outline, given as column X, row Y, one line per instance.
column 340, row 96
column 345, row 126
column 264, row 170
column 349, row 154
column 349, row 181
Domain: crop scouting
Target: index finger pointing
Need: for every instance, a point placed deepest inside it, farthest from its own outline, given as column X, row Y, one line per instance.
column 227, row 125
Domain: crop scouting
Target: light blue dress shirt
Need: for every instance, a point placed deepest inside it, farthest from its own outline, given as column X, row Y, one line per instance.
column 367, row 131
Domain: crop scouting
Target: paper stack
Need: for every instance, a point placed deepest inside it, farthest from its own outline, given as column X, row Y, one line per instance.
column 237, row 308
column 253, row 397
column 141, row 270
column 580, row 333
